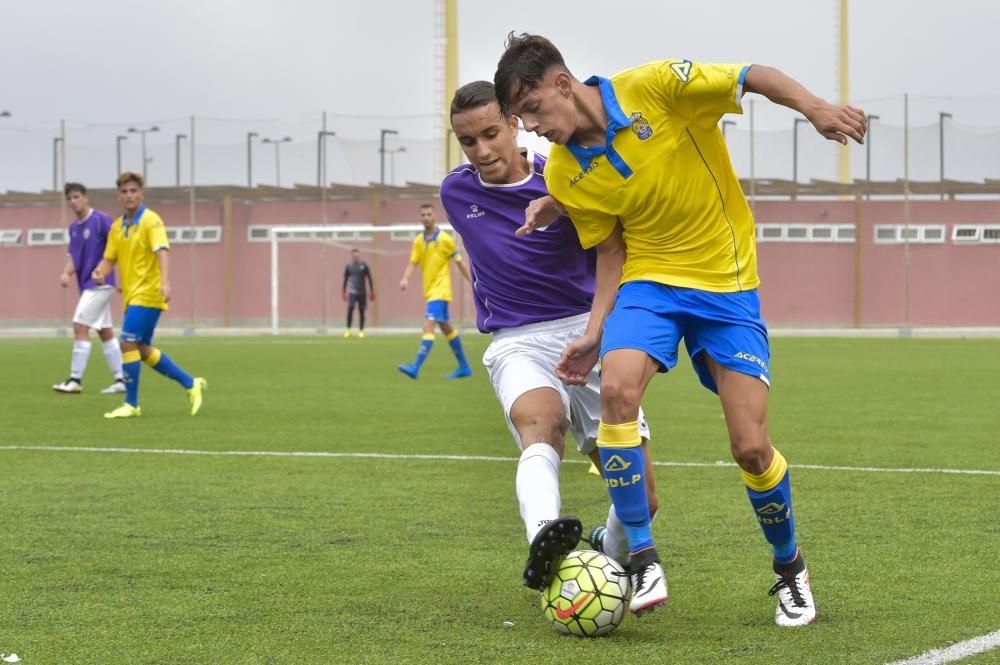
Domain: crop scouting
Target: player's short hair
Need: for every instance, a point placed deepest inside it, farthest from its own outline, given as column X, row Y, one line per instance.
column 71, row 187
column 522, row 67
column 426, row 205
column 129, row 176
column 355, row 251
column 473, row 96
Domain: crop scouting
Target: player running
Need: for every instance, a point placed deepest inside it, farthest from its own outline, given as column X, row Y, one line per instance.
column 88, row 235
column 138, row 244
column 642, row 169
column 433, row 249
column 534, row 296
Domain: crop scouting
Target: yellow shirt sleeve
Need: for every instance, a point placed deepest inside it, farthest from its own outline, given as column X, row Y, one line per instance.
column 417, row 253
column 702, row 93
column 448, row 243
column 156, row 234
column 592, row 227
column 111, row 246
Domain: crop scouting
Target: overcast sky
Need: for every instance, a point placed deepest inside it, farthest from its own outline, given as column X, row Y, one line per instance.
column 101, row 64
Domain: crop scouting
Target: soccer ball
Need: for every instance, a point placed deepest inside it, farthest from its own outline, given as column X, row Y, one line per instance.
column 587, row 596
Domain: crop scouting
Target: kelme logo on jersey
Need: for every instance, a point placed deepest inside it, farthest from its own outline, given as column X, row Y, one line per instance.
column 682, row 70
column 616, row 463
column 474, row 212
column 640, row 126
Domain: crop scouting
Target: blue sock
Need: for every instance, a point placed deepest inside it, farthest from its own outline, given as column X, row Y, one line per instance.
column 455, row 342
column 425, row 348
column 130, row 371
column 624, row 473
column 771, row 497
column 162, row 363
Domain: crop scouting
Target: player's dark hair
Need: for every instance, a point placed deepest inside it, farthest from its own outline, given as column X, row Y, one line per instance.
column 129, row 176
column 473, row 96
column 522, row 67
column 74, row 187
column 426, row 205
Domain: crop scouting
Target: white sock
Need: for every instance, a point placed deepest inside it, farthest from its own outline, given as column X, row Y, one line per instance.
column 615, row 542
column 78, row 363
column 113, row 354
column 537, row 485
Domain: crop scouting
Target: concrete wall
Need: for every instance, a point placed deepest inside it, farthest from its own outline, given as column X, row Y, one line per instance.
column 804, row 283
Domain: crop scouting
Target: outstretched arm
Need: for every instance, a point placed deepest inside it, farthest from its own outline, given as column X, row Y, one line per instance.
column 407, row 274
column 464, row 269
column 539, row 214
column 834, row 121
column 581, row 355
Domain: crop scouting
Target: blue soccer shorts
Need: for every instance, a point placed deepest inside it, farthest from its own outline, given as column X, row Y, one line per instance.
column 437, row 310
column 140, row 324
column 654, row 317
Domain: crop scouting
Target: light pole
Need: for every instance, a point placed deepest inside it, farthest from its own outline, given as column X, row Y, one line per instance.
column 55, row 162
column 118, row 153
column 941, row 116
column 177, row 155
column 143, row 132
column 277, row 156
column 726, row 123
column 795, row 149
column 392, row 163
column 321, row 156
column 868, row 147
column 381, row 153
column 250, row 137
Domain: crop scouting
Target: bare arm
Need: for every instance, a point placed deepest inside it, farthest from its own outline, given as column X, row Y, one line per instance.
column 407, row 274
column 539, row 214
column 102, row 270
column 581, row 355
column 68, row 271
column 163, row 257
column 834, row 121
column 464, row 269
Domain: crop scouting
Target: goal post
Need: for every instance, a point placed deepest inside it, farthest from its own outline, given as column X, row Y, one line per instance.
column 385, row 248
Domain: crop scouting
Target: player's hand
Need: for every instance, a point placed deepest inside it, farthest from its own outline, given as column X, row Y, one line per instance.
column 64, row 280
column 165, row 290
column 577, row 360
column 343, row 296
column 838, row 123
column 539, row 214
column 403, row 283
column 371, row 296
column 98, row 276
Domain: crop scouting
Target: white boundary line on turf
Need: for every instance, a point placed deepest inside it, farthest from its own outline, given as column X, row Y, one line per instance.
column 955, row 652
column 455, row 458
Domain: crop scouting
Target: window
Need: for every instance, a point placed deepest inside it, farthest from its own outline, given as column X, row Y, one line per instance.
column 805, row 233
column 200, row 234
column 894, row 234
column 42, row 237
column 972, row 234
column 10, row 237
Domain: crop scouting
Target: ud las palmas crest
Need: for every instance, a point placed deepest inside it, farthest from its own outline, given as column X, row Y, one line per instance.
column 640, row 126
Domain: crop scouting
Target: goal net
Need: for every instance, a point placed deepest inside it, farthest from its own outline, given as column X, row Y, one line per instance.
column 307, row 277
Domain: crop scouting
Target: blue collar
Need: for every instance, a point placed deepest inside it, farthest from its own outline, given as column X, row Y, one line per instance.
column 128, row 223
column 434, row 237
column 616, row 120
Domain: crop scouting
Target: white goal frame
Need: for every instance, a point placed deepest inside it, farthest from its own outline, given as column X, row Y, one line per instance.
column 324, row 233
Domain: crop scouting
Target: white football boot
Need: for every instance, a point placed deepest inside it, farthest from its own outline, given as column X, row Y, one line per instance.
column 70, row 385
column 649, row 584
column 795, row 600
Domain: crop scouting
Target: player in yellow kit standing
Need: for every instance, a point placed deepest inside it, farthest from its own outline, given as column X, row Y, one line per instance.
column 138, row 244
column 433, row 250
column 642, row 169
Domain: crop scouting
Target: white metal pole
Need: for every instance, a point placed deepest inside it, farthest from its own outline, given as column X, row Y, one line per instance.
column 191, row 215
column 274, row 281
column 906, row 210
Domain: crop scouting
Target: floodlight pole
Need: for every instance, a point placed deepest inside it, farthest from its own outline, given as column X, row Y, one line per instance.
column 726, row 123
column 321, row 156
column 795, row 149
column 941, row 116
column 868, row 149
column 142, row 133
column 277, row 156
column 118, row 153
column 177, row 156
column 381, row 152
column 250, row 137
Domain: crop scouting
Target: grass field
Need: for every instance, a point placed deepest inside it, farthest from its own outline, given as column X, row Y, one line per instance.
column 116, row 557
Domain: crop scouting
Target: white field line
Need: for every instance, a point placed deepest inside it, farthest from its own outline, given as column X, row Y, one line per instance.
column 955, row 651
column 456, row 458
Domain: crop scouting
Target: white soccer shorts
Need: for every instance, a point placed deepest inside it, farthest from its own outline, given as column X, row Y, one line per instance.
column 524, row 358
column 94, row 308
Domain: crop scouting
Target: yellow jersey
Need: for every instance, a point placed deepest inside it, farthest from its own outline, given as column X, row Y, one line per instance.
column 666, row 176
column 134, row 245
column 434, row 254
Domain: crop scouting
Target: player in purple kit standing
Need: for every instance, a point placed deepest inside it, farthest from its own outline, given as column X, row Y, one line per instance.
column 87, row 238
column 533, row 297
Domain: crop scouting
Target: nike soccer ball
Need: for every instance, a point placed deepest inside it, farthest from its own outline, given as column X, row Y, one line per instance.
column 588, row 595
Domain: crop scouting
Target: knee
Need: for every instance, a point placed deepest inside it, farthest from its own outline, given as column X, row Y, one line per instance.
column 545, row 428
column 749, row 446
column 619, row 399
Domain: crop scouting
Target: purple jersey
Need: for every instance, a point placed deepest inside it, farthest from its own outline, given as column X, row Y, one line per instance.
column 542, row 277
column 87, row 239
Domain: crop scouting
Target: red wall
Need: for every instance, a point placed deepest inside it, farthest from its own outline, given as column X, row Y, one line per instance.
column 808, row 284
